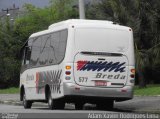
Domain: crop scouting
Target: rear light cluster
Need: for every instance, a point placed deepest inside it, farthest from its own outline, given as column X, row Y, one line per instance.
column 68, row 72
column 132, row 73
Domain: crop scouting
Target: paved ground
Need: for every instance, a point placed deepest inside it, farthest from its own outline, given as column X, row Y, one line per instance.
column 43, row 112
column 137, row 104
column 11, row 107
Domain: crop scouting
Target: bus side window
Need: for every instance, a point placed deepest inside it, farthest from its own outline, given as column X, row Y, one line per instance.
column 45, row 45
column 62, row 45
column 53, row 51
column 27, row 55
column 36, row 46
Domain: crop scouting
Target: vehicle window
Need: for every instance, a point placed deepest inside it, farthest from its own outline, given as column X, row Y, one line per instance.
column 44, row 52
column 53, row 52
column 62, row 45
column 35, row 51
column 27, row 52
column 27, row 55
column 49, row 49
column 108, row 40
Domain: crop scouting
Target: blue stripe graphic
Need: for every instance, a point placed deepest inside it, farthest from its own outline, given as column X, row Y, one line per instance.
column 104, row 66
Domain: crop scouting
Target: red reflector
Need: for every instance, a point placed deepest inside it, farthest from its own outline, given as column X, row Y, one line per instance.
column 77, row 88
column 123, row 90
column 132, row 76
column 68, row 72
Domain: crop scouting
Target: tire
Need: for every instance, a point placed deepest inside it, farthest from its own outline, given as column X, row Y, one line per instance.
column 27, row 104
column 50, row 102
column 79, row 106
column 108, row 105
column 55, row 104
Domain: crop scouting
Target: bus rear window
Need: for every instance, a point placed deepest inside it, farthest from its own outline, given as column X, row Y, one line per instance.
column 101, row 40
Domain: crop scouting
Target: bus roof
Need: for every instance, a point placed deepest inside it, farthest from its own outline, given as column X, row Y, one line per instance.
column 39, row 33
column 81, row 22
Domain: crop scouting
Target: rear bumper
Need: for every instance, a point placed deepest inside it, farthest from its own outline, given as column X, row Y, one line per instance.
column 71, row 90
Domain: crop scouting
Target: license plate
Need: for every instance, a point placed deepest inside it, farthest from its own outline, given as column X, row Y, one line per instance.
column 101, row 83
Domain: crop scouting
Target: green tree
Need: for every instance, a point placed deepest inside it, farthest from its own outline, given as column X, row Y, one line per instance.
column 13, row 38
column 9, row 65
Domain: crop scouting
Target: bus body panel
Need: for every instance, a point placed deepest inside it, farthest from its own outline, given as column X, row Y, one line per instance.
column 37, row 78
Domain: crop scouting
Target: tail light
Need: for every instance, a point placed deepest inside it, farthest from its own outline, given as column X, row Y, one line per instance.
column 68, row 72
column 132, row 76
column 132, row 73
column 68, row 67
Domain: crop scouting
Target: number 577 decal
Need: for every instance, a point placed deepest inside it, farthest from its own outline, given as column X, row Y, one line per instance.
column 83, row 79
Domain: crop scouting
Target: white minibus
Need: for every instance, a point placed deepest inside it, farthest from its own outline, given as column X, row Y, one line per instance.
column 78, row 61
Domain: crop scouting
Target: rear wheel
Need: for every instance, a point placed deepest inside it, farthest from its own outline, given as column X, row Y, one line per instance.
column 27, row 104
column 50, row 101
column 108, row 105
column 55, row 104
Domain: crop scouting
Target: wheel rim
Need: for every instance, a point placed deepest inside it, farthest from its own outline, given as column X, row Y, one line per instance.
column 50, row 101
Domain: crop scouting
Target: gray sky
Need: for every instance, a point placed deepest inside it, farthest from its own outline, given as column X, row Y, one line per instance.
column 19, row 3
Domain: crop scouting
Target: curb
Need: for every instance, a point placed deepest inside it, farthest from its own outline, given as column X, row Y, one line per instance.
column 11, row 102
column 20, row 103
column 146, row 95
